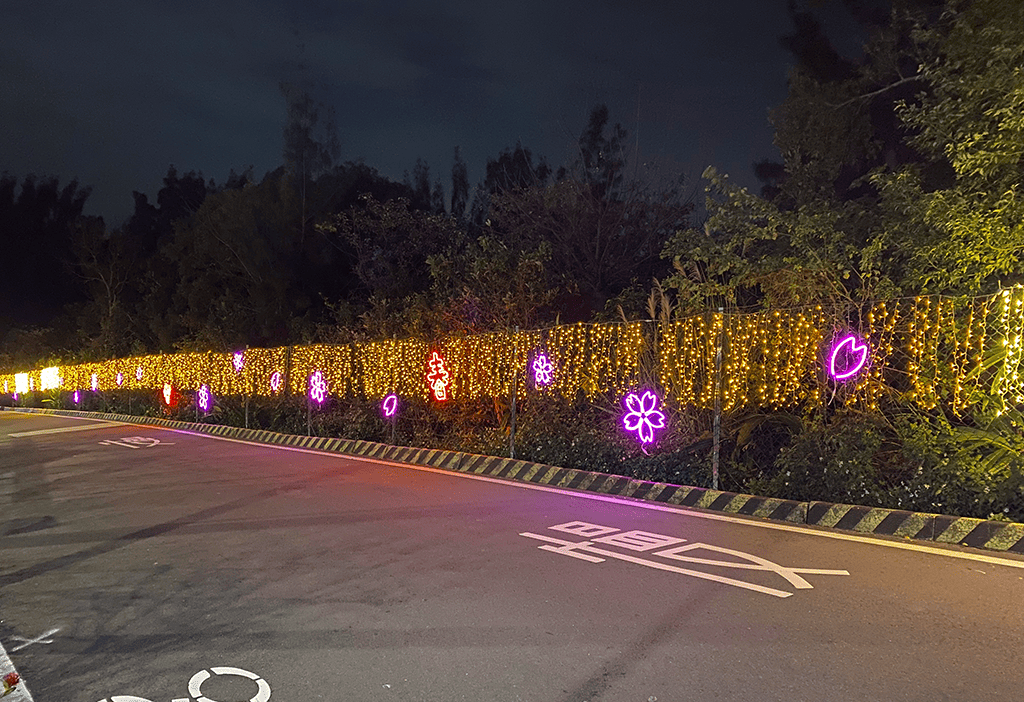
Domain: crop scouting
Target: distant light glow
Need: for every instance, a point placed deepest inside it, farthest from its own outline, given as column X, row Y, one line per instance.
column 120, row 378
column 78, row 398
column 5, row 387
column 21, row 382
column 643, row 416
column 438, row 377
column 138, row 373
column 95, row 382
column 49, row 378
column 542, row 370
column 843, row 363
column 390, row 405
column 275, row 381
column 204, row 399
column 238, row 360
column 168, row 394
column 317, row 388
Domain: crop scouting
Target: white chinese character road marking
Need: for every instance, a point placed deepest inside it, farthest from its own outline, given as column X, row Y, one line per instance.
column 135, row 442
column 644, row 541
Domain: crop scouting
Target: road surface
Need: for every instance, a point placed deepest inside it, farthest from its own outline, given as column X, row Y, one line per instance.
column 142, row 563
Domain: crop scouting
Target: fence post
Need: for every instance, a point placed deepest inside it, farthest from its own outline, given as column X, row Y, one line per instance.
column 717, row 422
column 515, row 384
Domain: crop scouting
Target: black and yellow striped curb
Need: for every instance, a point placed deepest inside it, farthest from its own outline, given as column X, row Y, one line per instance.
column 966, row 531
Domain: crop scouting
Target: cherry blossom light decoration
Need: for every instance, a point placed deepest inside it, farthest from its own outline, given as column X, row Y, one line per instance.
column 542, row 370
column 849, row 356
column 643, row 416
column 204, row 399
column 238, row 360
column 317, row 388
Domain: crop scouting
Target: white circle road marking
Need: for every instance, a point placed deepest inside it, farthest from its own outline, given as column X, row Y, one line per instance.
column 196, row 683
column 126, row 698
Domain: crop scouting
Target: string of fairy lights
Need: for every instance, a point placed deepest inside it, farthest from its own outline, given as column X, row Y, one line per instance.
column 934, row 350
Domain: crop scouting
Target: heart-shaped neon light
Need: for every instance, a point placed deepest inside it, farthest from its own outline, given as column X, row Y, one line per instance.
column 390, row 405
column 858, row 351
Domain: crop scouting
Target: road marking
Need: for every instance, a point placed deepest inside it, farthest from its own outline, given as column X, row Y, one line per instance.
column 135, row 442
column 645, row 541
column 20, row 692
column 196, row 683
column 43, row 639
column 640, row 504
column 63, row 430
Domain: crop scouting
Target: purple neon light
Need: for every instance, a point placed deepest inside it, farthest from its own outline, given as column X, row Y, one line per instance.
column 204, row 399
column 643, row 416
column 77, row 397
column 542, row 370
column 390, row 405
column 853, row 364
column 120, row 378
column 238, row 360
column 317, row 388
column 275, row 381
column 138, row 373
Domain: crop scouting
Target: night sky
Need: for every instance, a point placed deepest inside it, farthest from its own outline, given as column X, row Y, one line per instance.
column 113, row 93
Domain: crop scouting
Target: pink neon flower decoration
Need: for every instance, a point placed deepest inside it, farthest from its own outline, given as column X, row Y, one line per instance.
column 390, row 405
column 317, row 388
column 77, row 397
column 853, row 360
column 238, row 360
column 542, row 370
column 138, row 373
column 275, row 381
column 205, row 398
column 643, row 417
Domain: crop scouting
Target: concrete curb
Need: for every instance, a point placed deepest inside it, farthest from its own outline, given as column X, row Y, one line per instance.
column 966, row 531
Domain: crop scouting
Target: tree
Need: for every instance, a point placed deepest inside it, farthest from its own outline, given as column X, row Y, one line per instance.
column 460, row 186
column 309, row 149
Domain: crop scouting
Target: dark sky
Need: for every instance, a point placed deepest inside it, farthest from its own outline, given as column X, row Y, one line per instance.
column 112, row 93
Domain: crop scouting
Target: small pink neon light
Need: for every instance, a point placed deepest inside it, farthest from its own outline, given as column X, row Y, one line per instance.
column 275, row 381
column 542, row 370
column 437, row 378
column 168, row 392
column 390, row 405
column 853, row 360
column 77, row 397
column 138, row 373
column 205, row 398
column 317, row 388
column 120, row 378
column 643, row 416
column 238, row 360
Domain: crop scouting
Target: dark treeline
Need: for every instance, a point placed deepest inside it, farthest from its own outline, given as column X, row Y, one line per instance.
column 900, row 175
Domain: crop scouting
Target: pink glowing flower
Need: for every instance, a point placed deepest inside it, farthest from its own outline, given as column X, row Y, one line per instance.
column 643, row 417
column 138, row 373
column 390, row 405
column 238, row 360
column 275, row 381
column 843, row 363
column 204, row 399
column 317, row 388
column 542, row 370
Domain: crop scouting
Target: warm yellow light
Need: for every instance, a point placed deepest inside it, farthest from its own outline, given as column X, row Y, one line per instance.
column 21, row 382
column 49, row 378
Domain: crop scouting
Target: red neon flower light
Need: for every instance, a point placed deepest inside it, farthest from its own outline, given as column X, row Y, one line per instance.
column 437, row 378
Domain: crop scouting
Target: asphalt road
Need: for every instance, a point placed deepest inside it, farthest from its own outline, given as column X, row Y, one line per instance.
column 146, row 563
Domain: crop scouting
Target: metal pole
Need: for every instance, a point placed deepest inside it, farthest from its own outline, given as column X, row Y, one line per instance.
column 515, row 378
column 717, row 424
